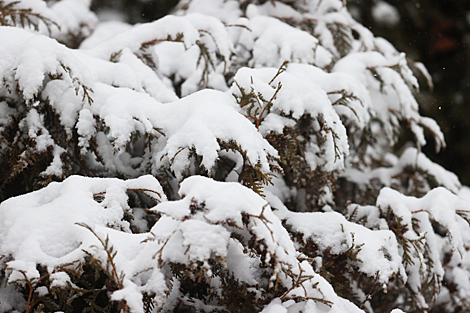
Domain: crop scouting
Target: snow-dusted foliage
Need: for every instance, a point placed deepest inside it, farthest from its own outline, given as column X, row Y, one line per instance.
column 235, row 156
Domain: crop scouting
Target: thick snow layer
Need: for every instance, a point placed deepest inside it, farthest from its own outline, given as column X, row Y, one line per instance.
column 193, row 229
column 135, row 104
column 291, row 94
column 164, row 97
column 417, row 218
column 378, row 249
column 439, row 204
column 390, row 83
column 29, row 223
column 41, row 228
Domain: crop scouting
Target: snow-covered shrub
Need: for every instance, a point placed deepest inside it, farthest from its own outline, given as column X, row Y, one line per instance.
column 240, row 156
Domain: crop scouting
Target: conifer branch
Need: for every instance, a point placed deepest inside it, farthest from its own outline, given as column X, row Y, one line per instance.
column 10, row 15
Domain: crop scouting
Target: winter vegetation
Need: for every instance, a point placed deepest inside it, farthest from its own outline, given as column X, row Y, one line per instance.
column 234, row 156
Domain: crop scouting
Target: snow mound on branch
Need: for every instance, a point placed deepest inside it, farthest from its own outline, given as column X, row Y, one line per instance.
column 413, row 221
column 196, row 122
column 39, row 228
column 378, row 251
column 275, row 42
column 293, row 94
column 30, row 65
column 186, row 29
column 74, row 18
column 230, row 207
column 439, row 204
column 390, row 83
column 336, row 84
column 206, row 116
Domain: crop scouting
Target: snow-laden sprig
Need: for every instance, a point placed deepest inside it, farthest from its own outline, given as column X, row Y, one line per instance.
column 107, row 119
column 210, row 116
column 388, row 80
column 331, row 232
column 350, row 99
column 101, row 204
column 206, row 33
column 203, row 123
column 271, row 41
column 275, row 99
column 233, row 226
column 411, row 220
column 32, row 60
column 411, row 166
column 27, row 14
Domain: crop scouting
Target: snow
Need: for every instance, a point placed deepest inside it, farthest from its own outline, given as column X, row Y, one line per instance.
column 385, row 14
column 204, row 240
column 164, row 98
column 104, row 31
column 180, row 240
column 275, row 307
column 439, row 203
column 132, row 295
column 276, row 42
column 337, row 82
column 201, row 122
column 410, row 158
column 49, row 213
column 294, row 99
column 74, row 19
column 416, row 216
column 149, row 80
column 378, row 249
column 226, row 11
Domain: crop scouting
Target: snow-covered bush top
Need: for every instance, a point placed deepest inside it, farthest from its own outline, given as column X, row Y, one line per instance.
column 239, row 156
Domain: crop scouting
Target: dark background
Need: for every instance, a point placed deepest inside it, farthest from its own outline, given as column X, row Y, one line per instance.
column 434, row 32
